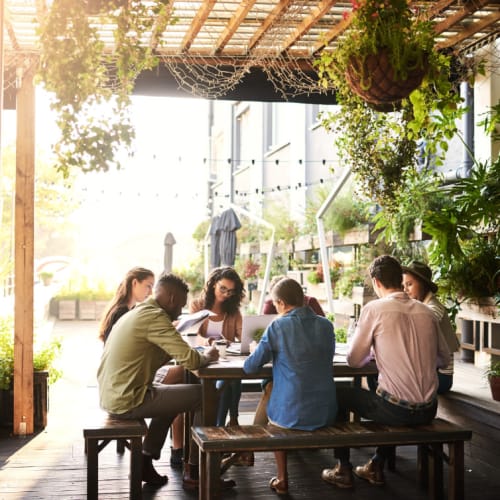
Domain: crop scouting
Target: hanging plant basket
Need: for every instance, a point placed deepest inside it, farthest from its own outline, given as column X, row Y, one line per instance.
column 372, row 77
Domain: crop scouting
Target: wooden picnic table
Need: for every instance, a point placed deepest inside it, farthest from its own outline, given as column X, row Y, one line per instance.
column 232, row 368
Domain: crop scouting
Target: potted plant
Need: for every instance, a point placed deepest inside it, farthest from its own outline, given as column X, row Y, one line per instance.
column 46, row 277
column 45, row 373
column 493, row 375
column 381, row 146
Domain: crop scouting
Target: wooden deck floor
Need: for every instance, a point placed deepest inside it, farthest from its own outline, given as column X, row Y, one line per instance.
column 52, row 463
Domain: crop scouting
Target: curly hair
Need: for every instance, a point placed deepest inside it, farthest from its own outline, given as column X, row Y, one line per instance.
column 122, row 298
column 171, row 281
column 232, row 304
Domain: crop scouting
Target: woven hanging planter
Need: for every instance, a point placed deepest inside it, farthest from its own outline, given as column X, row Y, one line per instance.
column 372, row 79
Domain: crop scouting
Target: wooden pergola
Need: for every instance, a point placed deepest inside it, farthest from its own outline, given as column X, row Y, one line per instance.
column 210, row 50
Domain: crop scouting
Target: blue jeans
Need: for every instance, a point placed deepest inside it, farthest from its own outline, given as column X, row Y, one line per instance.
column 371, row 406
column 229, row 400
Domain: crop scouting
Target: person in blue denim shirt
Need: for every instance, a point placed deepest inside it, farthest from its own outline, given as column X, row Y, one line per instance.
column 301, row 346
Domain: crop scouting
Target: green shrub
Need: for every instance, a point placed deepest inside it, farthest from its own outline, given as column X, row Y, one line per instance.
column 341, row 335
column 44, row 354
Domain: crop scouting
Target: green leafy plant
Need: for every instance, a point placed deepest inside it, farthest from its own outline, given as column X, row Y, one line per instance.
column 257, row 335
column 92, row 83
column 380, row 144
column 44, row 354
column 341, row 335
column 465, row 247
column 493, row 369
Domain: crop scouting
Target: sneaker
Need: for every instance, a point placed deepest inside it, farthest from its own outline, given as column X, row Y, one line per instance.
column 340, row 475
column 372, row 472
column 176, row 459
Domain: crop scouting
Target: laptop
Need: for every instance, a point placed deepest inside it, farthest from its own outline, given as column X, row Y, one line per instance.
column 250, row 324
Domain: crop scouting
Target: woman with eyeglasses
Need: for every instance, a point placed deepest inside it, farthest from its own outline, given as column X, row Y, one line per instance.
column 222, row 294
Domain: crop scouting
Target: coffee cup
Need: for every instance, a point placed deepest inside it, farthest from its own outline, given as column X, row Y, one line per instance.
column 221, row 346
column 191, row 339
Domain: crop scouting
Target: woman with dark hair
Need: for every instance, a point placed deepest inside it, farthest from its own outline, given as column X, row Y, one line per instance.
column 418, row 284
column 222, row 294
column 136, row 287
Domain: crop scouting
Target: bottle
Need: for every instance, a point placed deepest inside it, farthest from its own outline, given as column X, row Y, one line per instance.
column 22, row 427
column 351, row 328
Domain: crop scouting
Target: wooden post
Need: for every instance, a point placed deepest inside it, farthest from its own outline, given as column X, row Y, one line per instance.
column 24, row 254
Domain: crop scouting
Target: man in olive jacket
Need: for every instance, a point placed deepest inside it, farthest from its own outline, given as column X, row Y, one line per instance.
column 143, row 340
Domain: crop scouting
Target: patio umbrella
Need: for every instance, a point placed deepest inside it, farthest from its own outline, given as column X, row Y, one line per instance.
column 214, row 242
column 228, row 225
column 168, row 256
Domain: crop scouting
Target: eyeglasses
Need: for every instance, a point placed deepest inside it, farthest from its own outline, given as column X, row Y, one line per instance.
column 227, row 291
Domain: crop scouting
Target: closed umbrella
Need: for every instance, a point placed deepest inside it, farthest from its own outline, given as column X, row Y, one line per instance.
column 228, row 225
column 214, row 242
column 168, row 255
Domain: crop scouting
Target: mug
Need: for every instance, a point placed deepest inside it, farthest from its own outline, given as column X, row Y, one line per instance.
column 221, row 346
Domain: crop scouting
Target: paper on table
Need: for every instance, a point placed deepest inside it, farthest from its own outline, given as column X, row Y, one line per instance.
column 190, row 322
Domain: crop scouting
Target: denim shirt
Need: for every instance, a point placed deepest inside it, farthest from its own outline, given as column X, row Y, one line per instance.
column 300, row 346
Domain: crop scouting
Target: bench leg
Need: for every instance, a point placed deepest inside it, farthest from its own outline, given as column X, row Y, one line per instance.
column 209, row 467
column 436, row 472
column 456, row 471
column 92, row 468
column 423, row 465
column 121, row 444
column 135, row 468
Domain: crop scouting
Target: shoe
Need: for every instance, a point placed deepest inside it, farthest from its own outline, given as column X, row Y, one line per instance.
column 372, row 472
column 243, row 458
column 279, row 487
column 149, row 474
column 340, row 475
column 176, row 458
column 190, row 480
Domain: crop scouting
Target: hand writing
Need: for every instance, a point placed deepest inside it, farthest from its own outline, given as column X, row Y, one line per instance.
column 212, row 354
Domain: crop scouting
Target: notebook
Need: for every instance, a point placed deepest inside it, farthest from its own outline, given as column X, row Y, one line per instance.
column 249, row 325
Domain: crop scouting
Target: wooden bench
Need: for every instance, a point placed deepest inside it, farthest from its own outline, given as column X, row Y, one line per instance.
column 98, row 433
column 213, row 441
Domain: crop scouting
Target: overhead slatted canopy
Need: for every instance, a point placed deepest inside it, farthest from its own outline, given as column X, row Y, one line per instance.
column 214, row 47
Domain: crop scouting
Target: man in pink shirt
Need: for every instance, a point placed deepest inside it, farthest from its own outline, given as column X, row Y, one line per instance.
column 402, row 335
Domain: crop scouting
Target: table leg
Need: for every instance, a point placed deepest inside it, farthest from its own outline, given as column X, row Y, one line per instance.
column 209, row 401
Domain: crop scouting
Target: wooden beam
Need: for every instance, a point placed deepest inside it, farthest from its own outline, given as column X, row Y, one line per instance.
column 468, row 9
column 198, row 22
column 317, row 13
column 238, row 17
column 474, row 28
column 281, row 7
column 24, row 254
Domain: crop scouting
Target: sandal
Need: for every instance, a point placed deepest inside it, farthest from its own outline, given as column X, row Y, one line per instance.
column 279, row 487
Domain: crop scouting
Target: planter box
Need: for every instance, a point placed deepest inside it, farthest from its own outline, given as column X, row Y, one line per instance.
column 100, row 307
column 265, row 246
column 302, row 243
column 362, row 295
column 316, row 290
column 67, row 309
column 248, row 248
column 357, row 236
column 40, row 402
column 86, row 309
